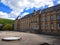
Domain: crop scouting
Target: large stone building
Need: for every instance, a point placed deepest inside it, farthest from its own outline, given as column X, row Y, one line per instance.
column 46, row 20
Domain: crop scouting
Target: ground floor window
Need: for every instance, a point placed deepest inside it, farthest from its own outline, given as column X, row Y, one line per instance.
column 46, row 26
column 51, row 26
column 58, row 25
column 42, row 27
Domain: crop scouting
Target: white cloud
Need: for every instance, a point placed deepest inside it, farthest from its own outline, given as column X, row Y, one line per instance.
column 58, row 1
column 19, row 5
column 14, row 14
column 11, row 16
column 5, row 15
column 24, row 14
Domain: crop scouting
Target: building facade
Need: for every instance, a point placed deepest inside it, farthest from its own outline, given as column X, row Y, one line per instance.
column 47, row 20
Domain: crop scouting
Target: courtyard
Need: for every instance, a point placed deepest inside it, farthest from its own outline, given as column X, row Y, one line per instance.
column 28, row 38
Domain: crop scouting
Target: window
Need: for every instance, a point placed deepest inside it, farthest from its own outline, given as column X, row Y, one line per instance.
column 35, row 27
column 37, row 19
column 41, row 19
column 51, row 17
column 58, row 26
column 42, row 26
column 46, row 19
column 58, row 16
column 51, row 26
column 46, row 26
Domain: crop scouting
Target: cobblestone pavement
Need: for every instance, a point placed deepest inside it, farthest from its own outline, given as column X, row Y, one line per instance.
column 28, row 38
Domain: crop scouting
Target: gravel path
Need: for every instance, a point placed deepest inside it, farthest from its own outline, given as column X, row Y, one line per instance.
column 28, row 38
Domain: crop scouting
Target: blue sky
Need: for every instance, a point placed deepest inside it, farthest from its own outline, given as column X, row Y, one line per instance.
column 10, row 9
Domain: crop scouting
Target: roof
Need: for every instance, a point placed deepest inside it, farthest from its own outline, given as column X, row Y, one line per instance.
column 57, row 7
column 27, row 16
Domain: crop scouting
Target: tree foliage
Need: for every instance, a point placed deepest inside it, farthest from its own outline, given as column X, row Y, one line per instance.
column 6, row 21
column 7, row 24
column 7, row 27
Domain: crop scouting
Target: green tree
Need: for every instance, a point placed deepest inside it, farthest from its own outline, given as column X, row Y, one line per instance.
column 7, row 27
